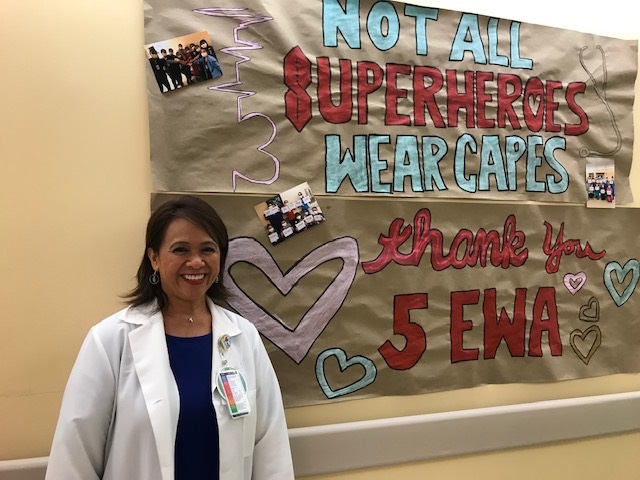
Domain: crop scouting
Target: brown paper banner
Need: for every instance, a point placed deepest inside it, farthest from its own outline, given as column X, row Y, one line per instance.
column 374, row 98
column 400, row 297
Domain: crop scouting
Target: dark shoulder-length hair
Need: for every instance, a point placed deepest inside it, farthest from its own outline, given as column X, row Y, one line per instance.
column 196, row 211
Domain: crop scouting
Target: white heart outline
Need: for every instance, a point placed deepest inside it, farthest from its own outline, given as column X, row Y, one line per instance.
column 296, row 342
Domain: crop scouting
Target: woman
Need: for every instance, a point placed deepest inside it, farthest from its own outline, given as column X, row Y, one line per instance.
column 174, row 386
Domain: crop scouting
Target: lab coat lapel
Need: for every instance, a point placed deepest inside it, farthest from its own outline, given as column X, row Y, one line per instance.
column 151, row 358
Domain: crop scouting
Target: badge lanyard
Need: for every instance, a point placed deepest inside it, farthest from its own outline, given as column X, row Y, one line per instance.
column 231, row 383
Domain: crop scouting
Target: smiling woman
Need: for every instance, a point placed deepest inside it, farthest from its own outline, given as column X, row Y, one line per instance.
column 187, row 264
column 174, row 386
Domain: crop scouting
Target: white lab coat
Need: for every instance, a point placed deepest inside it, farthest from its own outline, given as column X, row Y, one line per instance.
column 120, row 408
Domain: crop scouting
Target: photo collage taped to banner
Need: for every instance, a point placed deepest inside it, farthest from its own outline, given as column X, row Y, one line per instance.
column 289, row 213
column 183, row 61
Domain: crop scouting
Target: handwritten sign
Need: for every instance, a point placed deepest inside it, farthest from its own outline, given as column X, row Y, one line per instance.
column 401, row 299
column 378, row 98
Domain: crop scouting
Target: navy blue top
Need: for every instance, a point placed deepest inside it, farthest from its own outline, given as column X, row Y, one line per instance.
column 197, row 452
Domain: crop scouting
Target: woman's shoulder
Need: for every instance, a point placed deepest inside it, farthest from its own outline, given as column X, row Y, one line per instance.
column 120, row 323
column 244, row 325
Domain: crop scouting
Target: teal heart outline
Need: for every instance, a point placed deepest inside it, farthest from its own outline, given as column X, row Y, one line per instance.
column 370, row 372
column 621, row 273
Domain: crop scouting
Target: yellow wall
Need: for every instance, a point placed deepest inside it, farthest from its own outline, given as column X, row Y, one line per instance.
column 73, row 204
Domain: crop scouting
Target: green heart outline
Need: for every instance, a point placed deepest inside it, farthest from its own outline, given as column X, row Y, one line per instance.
column 632, row 265
column 370, row 372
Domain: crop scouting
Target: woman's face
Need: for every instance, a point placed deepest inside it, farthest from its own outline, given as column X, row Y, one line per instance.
column 188, row 263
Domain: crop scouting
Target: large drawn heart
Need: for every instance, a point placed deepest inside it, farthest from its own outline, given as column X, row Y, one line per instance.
column 574, row 282
column 632, row 266
column 595, row 344
column 368, row 378
column 297, row 342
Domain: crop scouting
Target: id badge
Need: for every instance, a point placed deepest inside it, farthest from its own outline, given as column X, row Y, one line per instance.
column 233, row 388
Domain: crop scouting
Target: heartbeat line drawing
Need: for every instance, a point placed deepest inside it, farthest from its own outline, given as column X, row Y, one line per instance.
column 245, row 21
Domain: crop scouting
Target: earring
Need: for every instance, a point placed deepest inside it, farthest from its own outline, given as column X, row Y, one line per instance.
column 154, row 279
column 217, row 279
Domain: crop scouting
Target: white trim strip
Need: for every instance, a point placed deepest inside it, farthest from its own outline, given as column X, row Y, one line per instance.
column 355, row 445
column 351, row 446
column 23, row 469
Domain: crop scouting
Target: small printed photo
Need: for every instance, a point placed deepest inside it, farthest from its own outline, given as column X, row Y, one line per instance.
column 182, row 61
column 599, row 182
column 290, row 213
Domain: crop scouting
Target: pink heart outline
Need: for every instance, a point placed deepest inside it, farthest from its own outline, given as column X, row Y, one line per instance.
column 296, row 342
column 574, row 282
